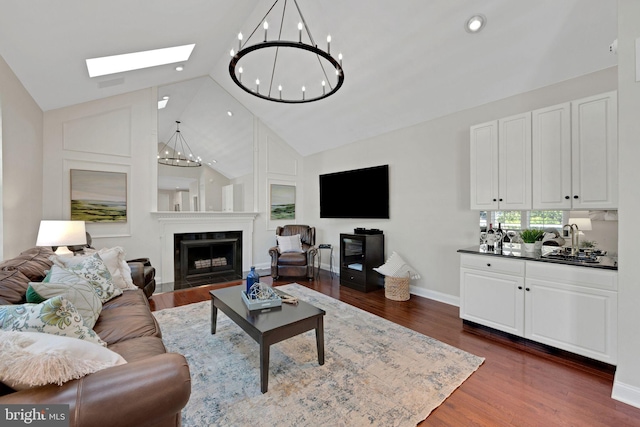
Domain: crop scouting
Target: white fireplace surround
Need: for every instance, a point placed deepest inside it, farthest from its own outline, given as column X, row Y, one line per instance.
column 172, row 223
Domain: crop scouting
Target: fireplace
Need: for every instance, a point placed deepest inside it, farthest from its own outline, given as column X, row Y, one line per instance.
column 207, row 257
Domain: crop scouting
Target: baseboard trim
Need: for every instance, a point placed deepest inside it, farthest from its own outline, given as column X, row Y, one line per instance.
column 435, row 295
column 626, row 393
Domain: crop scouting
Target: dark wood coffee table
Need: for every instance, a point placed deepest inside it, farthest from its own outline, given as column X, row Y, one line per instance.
column 268, row 326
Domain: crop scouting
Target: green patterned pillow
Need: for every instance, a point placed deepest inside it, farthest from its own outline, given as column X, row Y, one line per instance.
column 56, row 316
column 91, row 269
column 81, row 294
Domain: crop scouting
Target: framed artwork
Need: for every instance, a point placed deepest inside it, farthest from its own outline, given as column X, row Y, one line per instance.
column 283, row 201
column 98, row 196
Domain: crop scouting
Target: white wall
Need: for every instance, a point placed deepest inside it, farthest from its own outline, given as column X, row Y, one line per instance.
column 21, row 173
column 429, row 183
column 627, row 380
column 115, row 134
column 277, row 163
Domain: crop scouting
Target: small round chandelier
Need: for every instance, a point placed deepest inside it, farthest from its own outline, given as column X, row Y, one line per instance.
column 176, row 152
column 287, row 81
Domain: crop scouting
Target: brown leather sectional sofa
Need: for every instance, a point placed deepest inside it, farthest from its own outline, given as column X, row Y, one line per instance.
column 150, row 390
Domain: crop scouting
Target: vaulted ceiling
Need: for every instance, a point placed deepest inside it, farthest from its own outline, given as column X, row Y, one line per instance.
column 405, row 61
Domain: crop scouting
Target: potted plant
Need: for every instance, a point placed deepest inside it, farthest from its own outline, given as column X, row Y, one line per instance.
column 530, row 236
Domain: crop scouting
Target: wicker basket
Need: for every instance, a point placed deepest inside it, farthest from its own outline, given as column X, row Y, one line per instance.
column 397, row 288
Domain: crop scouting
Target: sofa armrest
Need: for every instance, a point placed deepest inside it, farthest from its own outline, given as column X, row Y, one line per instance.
column 137, row 273
column 142, row 393
column 143, row 275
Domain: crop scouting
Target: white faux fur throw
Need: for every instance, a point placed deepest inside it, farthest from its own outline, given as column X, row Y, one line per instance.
column 32, row 359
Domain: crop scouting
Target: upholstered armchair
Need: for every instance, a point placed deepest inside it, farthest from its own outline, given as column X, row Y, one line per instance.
column 291, row 259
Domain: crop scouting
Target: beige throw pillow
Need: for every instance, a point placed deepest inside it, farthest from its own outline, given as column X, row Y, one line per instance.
column 31, row 359
column 289, row 243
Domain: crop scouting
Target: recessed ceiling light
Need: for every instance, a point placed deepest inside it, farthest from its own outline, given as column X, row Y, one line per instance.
column 230, row 113
column 475, row 23
column 179, row 68
column 138, row 60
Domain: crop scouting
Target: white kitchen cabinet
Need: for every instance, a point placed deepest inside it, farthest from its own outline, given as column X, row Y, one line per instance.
column 594, row 145
column 501, row 164
column 514, row 151
column 491, row 292
column 556, row 158
column 484, row 166
column 572, row 308
column 551, row 157
column 568, row 307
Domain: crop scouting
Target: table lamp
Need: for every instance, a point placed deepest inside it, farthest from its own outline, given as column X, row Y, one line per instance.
column 61, row 234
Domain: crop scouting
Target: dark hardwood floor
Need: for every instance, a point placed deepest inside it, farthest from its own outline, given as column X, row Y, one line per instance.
column 516, row 385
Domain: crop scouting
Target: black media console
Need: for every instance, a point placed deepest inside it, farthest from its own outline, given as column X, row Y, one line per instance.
column 359, row 254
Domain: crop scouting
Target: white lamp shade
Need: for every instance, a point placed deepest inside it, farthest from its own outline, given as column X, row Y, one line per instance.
column 61, row 233
column 584, row 224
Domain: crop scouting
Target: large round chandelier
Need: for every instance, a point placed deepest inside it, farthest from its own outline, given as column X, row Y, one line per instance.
column 176, row 152
column 291, row 71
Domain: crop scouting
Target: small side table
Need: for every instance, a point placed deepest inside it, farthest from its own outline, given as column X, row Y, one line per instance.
column 328, row 247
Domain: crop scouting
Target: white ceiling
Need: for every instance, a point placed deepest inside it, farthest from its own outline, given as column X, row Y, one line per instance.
column 405, row 61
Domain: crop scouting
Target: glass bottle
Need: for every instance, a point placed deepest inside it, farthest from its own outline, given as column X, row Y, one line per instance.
column 491, row 238
column 499, row 237
column 252, row 278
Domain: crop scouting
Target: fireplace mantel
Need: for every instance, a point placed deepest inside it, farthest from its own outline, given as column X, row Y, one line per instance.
column 189, row 216
column 197, row 222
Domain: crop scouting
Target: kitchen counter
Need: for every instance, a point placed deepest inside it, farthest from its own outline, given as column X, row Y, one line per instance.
column 606, row 262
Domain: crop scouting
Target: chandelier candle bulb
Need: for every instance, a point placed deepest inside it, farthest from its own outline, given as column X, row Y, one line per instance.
column 232, row 53
column 239, row 42
column 266, row 27
column 303, row 90
column 240, row 74
column 329, row 44
column 340, row 58
column 300, row 32
column 323, row 87
column 280, row 90
column 257, row 85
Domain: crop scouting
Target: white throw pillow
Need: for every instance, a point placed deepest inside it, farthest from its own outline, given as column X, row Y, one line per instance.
column 289, row 243
column 56, row 316
column 90, row 268
column 80, row 293
column 31, row 359
column 397, row 267
column 113, row 258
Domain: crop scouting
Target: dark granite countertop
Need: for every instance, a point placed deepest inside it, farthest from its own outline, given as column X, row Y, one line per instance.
column 605, row 262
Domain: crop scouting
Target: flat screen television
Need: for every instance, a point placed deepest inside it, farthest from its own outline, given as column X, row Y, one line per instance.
column 358, row 193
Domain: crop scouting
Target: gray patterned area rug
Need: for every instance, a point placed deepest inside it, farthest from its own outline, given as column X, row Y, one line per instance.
column 375, row 373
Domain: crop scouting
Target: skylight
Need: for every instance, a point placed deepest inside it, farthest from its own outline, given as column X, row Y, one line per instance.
column 138, row 60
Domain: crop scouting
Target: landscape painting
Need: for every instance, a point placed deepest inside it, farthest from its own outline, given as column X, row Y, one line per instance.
column 98, row 196
column 283, row 201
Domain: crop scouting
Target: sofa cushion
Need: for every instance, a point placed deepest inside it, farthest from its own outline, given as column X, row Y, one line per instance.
column 13, row 286
column 32, row 359
column 139, row 348
column 128, row 298
column 33, row 263
column 292, row 258
column 80, row 293
column 126, row 322
column 55, row 316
